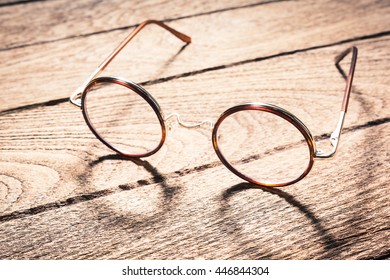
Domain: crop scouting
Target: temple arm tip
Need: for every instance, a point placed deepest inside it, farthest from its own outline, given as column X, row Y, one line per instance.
column 188, row 39
column 181, row 36
column 341, row 56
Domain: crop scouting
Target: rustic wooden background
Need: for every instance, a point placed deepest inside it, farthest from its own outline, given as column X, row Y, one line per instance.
column 63, row 195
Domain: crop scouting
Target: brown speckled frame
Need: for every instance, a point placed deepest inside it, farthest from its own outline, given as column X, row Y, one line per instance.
column 137, row 89
column 273, row 110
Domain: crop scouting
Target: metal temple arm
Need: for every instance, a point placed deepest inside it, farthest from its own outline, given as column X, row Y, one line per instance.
column 335, row 136
column 77, row 93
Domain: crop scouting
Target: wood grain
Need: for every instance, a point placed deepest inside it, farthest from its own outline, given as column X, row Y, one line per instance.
column 61, row 145
column 64, row 66
column 62, row 20
column 64, row 195
column 191, row 216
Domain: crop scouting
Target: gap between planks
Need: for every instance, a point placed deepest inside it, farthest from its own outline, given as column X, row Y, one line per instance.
column 159, row 178
column 205, row 70
column 126, row 27
column 67, row 76
column 19, row 2
column 203, row 221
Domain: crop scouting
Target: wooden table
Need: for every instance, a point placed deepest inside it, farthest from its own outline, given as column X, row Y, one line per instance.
column 64, row 195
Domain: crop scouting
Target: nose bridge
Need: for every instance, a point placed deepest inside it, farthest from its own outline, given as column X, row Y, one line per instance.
column 176, row 116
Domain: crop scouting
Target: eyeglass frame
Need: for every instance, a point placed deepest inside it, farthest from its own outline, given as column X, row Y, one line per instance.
column 78, row 98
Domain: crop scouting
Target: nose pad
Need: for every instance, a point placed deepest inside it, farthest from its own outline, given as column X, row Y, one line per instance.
column 171, row 123
column 173, row 120
column 324, row 147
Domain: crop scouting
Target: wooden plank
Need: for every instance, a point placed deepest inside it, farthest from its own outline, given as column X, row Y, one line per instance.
column 60, row 148
column 64, row 195
column 222, row 219
column 61, row 19
column 215, row 44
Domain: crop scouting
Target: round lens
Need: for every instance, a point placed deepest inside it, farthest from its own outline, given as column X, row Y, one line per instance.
column 122, row 118
column 262, row 147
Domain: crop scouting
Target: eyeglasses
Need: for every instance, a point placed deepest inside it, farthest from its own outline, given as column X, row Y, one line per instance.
column 259, row 142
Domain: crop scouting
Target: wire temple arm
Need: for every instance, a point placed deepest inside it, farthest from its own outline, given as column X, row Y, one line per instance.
column 112, row 55
column 335, row 136
column 179, row 35
column 349, row 79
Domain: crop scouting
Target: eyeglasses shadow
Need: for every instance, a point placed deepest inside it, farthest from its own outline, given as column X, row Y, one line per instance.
column 156, row 178
column 157, row 77
column 330, row 242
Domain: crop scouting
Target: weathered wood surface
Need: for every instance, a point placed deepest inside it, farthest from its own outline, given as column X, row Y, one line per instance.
column 219, row 40
column 64, row 195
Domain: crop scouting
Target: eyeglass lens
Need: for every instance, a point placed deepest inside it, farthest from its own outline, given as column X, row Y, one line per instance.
column 263, row 146
column 122, row 118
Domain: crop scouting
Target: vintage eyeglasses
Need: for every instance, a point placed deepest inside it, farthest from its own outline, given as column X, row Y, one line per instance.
column 261, row 143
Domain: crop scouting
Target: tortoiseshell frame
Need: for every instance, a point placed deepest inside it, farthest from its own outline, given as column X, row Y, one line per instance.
column 273, row 110
column 82, row 91
column 137, row 90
